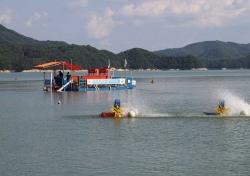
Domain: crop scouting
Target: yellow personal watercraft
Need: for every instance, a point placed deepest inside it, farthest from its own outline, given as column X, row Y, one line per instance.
column 220, row 109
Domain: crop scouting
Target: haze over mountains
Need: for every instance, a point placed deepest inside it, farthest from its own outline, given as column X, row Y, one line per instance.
column 18, row 52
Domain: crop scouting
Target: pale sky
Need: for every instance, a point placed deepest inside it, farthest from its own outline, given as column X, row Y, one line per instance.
column 119, row 25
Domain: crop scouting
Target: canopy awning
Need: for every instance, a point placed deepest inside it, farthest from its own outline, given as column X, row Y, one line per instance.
column 53, row 64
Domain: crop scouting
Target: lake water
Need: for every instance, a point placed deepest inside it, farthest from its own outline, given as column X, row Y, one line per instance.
column 171, row 136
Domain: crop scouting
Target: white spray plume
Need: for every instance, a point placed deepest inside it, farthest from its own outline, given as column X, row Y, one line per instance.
column 235, row 104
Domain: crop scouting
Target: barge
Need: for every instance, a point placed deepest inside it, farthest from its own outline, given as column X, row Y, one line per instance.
column 96, row 79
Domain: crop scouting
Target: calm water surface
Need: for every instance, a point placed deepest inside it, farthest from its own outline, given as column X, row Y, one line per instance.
column 171, row 136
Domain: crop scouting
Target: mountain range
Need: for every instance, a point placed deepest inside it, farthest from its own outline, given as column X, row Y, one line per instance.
column 210, row 50
column 18, row 52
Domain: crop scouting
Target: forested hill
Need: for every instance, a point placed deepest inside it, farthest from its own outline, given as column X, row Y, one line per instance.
column 210, row 50
column 18, row 52
column 8, row 36
column 142, row 59
column 215, row 54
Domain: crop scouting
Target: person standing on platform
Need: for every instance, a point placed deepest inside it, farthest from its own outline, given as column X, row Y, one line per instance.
column 68, row 77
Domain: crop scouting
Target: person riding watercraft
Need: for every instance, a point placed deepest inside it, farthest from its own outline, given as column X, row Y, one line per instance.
column 220, row 109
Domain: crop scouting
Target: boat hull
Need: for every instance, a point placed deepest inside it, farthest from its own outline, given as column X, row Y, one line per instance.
column 82, row 86
column 108, row 114
column 112, row 115
column 210, row 113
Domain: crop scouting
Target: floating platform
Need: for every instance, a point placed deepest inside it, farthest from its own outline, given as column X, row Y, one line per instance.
column 96, row 79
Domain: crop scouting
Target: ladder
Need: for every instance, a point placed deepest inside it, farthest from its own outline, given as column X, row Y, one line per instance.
column 65, row 85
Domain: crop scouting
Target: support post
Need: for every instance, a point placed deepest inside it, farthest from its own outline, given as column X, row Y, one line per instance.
column 51, row 81
column 43, row 79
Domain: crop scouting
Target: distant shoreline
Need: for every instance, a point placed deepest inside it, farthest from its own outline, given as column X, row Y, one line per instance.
column 118, row 70
column 36, row 70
